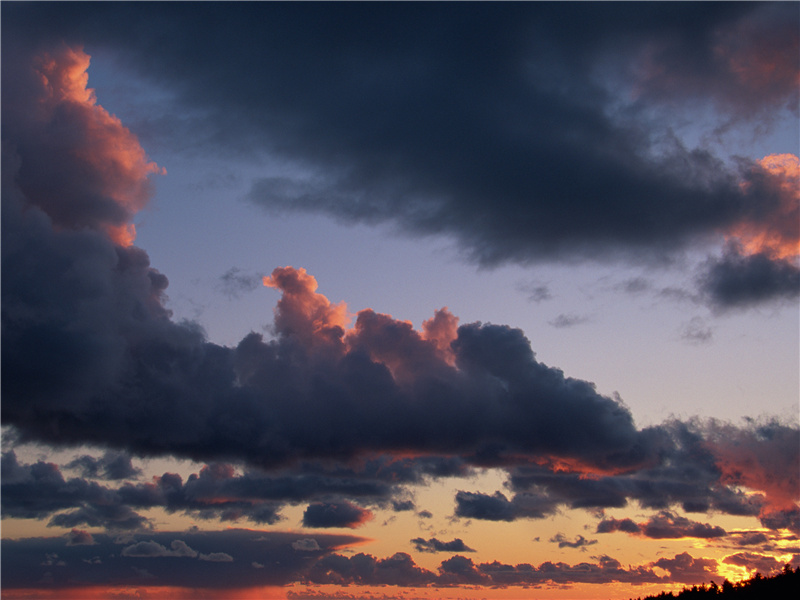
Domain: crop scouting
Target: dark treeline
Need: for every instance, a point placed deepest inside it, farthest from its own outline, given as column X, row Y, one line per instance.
column 785, row 584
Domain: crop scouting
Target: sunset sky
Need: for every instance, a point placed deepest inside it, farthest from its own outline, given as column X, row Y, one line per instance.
column 398, row 300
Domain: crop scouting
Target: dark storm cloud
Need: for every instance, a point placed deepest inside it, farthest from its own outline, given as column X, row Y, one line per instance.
column 436, row 545
column 687, row 569
column 738, row 280
column 489, row 123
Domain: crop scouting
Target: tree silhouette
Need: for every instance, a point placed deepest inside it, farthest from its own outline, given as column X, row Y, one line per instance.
column 785, row 584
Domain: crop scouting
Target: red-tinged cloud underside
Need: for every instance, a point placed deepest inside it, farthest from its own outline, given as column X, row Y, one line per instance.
column 777, row 236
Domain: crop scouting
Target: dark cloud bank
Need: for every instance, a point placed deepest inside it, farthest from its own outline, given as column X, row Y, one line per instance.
column 325, row 416
column 524, row 131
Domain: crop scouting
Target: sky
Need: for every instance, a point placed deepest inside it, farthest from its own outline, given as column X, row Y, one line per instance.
column 398, row 300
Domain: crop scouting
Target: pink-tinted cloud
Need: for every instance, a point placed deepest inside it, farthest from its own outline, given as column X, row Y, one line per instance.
column 776, row 232
column 763, row 458
column 79, row 163
column 442, row 329
column 302, row 313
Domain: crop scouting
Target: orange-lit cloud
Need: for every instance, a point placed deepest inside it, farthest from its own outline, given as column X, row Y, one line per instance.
column 310, row 318
column 764, row 459
column 97, row 173
column 778, row 233
column 302, row 312
column 442, row 329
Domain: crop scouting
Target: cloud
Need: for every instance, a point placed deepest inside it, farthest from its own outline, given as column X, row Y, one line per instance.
column 669, row 525
column 610, row 525
column 39, row 490
column 754, row 561
column 79, row 164
column 739, row 280
column 562, row 321
column 580, row 541
column 535, row 292
column 154, row 549
column 234, row 283
column 687, row 569
column 697, row 332
column 306, row 545
column 466, row 137
column 169, row 557
column 112, row 466
column 77, row 537
column 335, row 514
column 475, row 505
column 91, row 354
column 434, row 545
column 664, row 525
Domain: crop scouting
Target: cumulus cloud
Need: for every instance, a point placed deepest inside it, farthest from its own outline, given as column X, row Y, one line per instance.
column 434, row 545
column 79, row 164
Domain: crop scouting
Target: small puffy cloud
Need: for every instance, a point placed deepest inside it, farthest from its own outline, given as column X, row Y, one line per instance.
column 306, row 545
column 434, row 545
column 611, row 525
column 476, row 505
column 696, row 331
column 579, row 542
column 150, row 549
column 739, row 280
column 78, row 537
column 234, row 282
column 215, row 557
column 335, row 514
column 563, row 321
